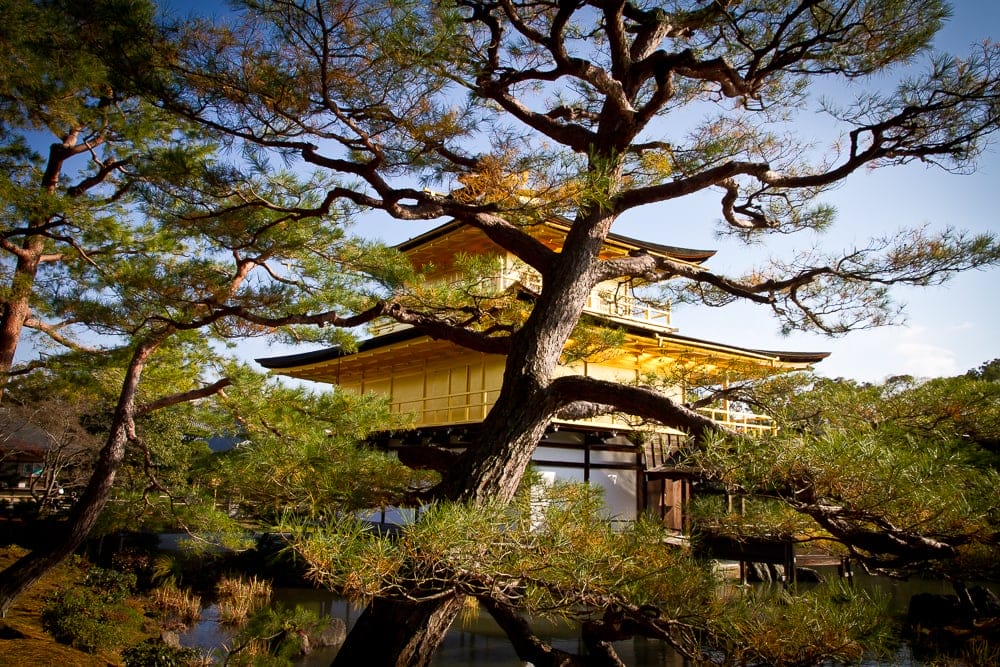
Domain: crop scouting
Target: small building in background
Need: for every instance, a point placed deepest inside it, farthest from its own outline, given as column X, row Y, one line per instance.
column 27, row 470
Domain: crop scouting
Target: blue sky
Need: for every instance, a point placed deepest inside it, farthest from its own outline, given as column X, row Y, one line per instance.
column 948, row 329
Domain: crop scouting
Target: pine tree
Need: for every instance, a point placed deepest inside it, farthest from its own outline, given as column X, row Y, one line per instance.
column 506, row 113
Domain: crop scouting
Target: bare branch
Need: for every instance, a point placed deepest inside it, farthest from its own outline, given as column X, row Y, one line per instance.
column 53, row 332
column 182, row 397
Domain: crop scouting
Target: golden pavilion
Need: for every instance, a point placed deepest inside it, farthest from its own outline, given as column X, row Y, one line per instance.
column 446, row 390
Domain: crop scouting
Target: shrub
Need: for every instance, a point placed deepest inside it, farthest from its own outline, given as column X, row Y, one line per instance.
column 111, row 585
column 155, row 652
column 82, row 618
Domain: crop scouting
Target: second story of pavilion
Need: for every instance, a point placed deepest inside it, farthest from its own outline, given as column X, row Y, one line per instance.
column 616, row 301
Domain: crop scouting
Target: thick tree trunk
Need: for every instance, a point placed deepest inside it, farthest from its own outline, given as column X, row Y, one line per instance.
column 17, row 307
column 514, row 427
column 492, row 471
column 398, row 634
column 20, row 576
column 403, row 634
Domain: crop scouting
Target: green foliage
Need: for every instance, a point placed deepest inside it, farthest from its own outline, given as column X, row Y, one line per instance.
column 298, row 450
column 154, row 652
column 773, row 626
column 959, row 413
column 989, row 371
column 854, row 463
column 299, row 453
column 551, row 554
column 76, row 204
column 66, row 378
column 85, row 619
column 280, row 631
column 751, row 516
column 553, row 546
column 168, row 570
column 112, row 586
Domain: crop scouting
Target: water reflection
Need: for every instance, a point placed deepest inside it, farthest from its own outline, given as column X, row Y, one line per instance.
column 475, row 640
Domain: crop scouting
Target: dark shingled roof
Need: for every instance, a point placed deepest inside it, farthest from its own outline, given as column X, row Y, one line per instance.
column 328, row 353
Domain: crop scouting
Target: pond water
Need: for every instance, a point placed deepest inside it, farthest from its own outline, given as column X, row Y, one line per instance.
column 476, row 641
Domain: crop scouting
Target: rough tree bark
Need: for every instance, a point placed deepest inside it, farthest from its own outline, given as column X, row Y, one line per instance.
column 515, row 427
column 17, row 303
column 492, row 471
column 393, row 632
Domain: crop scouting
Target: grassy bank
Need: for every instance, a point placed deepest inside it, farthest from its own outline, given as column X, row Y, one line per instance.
column 23, row 640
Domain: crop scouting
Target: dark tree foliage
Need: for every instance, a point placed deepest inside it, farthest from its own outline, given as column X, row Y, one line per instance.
column 900, row 475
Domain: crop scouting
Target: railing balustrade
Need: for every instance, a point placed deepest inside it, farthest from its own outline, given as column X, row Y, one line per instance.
column 623, row 308
column 620, row 307
column 473, row 406
column 741, row 422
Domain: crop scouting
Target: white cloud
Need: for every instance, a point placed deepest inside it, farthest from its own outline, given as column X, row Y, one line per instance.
column 927, row 359
column 874, row 355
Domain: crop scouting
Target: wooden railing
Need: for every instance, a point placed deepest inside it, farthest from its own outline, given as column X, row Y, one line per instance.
column 473, row 406
column 621, row 307
column 628, row 309
column 741, row 422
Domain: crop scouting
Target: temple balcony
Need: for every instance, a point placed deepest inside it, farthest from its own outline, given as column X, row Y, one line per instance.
column 628, row 310
column 470, row 407
column 613, row 301
column 741, row 421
